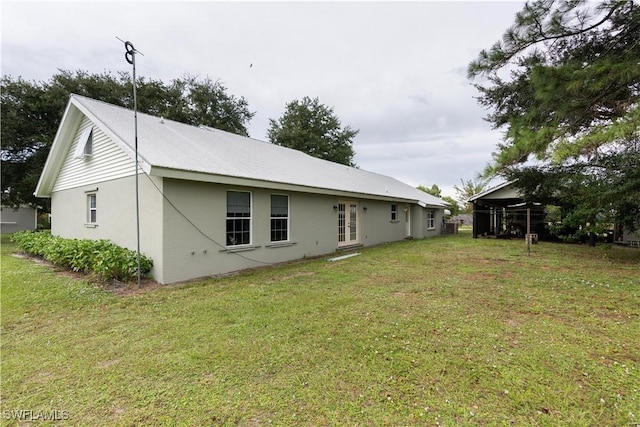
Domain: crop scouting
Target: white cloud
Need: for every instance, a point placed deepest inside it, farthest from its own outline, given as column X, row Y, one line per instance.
column 394, row 70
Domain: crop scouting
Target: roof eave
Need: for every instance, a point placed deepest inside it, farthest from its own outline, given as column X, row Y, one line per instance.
column 182, row 174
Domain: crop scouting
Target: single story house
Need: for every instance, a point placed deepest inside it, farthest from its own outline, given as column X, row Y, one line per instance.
column 18, row 219
column 213, row 202
column 502, row 212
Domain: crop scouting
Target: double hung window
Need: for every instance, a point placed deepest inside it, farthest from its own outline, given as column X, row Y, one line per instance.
column 238, row 218
column 394, row 212
column 431, row 219
column 92, row 210
column 279, row 218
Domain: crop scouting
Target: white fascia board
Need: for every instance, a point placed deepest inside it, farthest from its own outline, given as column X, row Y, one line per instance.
column 58, row 152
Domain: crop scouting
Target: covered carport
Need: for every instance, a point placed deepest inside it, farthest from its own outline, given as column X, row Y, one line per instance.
column 502, row 213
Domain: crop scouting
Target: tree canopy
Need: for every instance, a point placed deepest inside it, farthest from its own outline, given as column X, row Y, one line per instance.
column 434, row 190
column 313, row 128
column 31, row 112
column 564, row 86
column 468, row 189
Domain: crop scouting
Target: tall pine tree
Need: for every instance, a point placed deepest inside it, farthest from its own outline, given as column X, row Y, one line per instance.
column 564, row 86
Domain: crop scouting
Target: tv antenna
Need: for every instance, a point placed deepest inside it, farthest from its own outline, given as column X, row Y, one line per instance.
column 130, row 56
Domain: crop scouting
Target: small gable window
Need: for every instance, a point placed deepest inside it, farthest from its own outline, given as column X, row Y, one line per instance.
column 84, row 149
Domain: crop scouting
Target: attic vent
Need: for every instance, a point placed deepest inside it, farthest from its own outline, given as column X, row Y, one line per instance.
column 84, row 148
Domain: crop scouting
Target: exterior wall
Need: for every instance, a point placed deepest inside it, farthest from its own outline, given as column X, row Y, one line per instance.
column 376, row 223
column 190, row 253
column 22, row 218
column 115, row 215
column 379, row 228
column 436, row 230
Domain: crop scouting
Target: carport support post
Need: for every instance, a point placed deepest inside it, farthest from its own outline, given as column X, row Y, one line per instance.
column 528, row 231
column 475, row 220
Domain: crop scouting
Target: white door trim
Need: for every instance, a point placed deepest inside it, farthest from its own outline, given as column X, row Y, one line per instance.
column 348, row 223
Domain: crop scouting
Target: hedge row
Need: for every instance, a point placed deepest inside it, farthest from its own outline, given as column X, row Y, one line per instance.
column 101, row 257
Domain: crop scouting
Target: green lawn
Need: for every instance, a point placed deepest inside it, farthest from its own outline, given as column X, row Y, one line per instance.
column 443, row 331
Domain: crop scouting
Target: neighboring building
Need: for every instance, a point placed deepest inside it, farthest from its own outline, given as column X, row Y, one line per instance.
column 627, row 237
column 213, row 202
column 462, row 219
column 18, row 219
column 501, row 212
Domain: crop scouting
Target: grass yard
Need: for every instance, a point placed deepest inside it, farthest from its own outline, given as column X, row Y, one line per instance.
column 443, row 331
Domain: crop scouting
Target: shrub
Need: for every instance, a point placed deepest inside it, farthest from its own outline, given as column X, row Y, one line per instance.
column 101, row 257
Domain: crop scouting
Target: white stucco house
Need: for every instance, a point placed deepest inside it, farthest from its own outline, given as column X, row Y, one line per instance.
column 213, row 202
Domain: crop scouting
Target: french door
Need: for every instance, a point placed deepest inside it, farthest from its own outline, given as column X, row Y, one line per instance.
column 348, row 223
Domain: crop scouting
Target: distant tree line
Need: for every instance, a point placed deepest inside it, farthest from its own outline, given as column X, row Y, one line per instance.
column 31, row 112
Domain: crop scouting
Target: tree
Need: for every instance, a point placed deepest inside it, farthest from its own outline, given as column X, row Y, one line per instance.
column 468, row 189
column 434, row 190
column 571, row 101
column 206, row 102
column 453, row 207
column 31, row 112
column 29, row 121
column 313, row 128
column 591, row 196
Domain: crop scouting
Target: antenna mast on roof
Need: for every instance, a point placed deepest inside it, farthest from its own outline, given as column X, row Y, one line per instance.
column 130, row 56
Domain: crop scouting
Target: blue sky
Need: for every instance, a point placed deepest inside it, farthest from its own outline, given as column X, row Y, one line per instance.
column 394, row 70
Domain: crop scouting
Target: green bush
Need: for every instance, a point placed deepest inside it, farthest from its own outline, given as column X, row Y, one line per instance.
column 101, row 257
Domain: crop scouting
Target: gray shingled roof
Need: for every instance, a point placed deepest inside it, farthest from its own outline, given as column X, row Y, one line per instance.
column 168, row 144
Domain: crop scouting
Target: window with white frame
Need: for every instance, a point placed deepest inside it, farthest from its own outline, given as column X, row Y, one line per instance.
column 431, row 219
column 238, row 218
column 279, row 218
column 394, row 212
column 92, row 210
